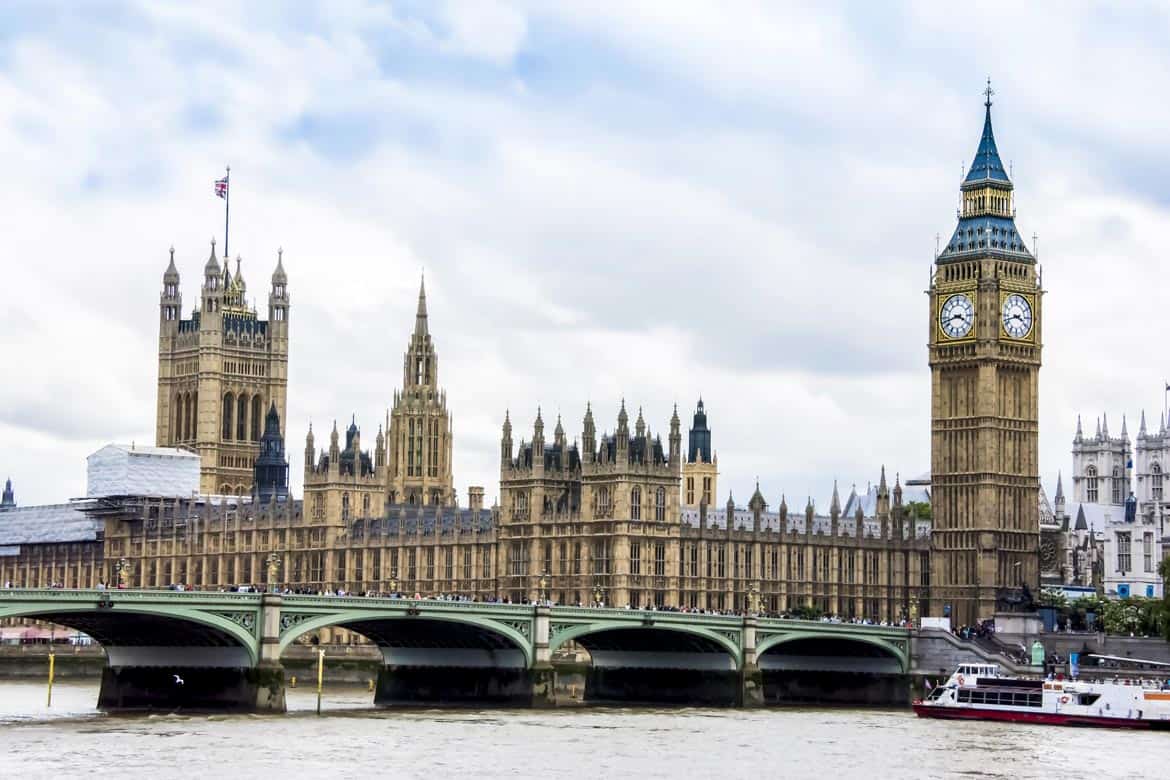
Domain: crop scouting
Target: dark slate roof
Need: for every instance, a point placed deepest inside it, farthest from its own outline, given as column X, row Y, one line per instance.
column 699, row 440
column 641, row 450
column 47, row 524
column 553, row 457
column 411, row 519
column 986, row 235
column 987, row 166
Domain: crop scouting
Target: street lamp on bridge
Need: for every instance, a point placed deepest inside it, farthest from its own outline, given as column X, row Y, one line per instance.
column 273, row 561
column 394, row 583
column 753, row 604
column 543, row 595
column 120, row 571
column 598, row 595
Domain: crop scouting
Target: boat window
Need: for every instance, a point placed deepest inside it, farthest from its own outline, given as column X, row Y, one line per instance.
column 1088, row 698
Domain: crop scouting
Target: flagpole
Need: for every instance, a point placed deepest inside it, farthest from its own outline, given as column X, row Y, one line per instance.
column 227, row 201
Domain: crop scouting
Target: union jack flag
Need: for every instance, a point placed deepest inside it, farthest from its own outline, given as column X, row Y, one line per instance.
column 221, row 187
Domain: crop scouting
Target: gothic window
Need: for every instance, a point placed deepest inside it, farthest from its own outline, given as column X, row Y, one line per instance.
column 410, row 447
column 435, row 497
column 229, row 405
column 242, row 418
column 602, row 501
column 660, row 505
column 690, row 491
column 1123, row 552
column 345, row 506
column 366, row 506
column 1148, row 551
column 1156, row 482
column 1091, row 484
column 635, row 558
column 636, row 504
column 659, row 560
column 1116, row 482
column 180, row 417
column 257, row 413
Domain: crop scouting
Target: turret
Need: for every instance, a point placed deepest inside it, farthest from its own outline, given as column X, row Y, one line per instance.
column 271, row 468
column 758, row 506
column 171, row 301
column 1058, row 501
column 1142, row 426
column 783, row 511
column 506, row 442
column 212, row 289
column 538, row 440
column 1080, row 437
column 883, row 496
column 8, row 500
column 675, row 439
column 334, row 446
column 310, row 450
column 380, row 450
column 589, row 436
column 623, row 436
column 559, row 438
column 278, row 297
column 897, row 491
column 640, row 425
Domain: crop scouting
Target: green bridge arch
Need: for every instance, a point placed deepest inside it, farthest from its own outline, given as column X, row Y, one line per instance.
column 289, row 633
column 585, row 629
column 892, row 649
column 166, row 612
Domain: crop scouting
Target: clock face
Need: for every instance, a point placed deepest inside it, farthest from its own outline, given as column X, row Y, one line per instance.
column 1017, row 316
column 957, row 316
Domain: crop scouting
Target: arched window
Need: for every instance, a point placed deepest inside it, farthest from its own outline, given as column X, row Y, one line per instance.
column 1156, row 482
column 242, row 418
column 603, row 501
column 365, row 506
column 192, row 415
column 636, row 504
column 180, row 417
column 345, row 506
column 660, row 505
column 1091, row 484
column 229, row 406
column 1116, row 483
column 257, row 414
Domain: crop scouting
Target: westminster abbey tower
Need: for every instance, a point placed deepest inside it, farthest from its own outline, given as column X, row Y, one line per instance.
column 985, row 340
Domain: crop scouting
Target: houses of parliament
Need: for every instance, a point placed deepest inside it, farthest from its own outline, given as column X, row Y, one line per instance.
column 629, row 518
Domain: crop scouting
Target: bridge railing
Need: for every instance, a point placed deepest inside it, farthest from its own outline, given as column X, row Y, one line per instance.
column 139, row 594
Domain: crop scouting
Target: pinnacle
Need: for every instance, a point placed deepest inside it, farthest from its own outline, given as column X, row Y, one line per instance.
column 420, row 317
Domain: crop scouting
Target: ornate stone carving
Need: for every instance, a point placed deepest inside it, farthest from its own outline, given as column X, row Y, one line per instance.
column 246, row 620
column 292, row 619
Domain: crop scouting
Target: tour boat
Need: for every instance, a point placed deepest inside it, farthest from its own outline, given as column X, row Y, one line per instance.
column 979, row 692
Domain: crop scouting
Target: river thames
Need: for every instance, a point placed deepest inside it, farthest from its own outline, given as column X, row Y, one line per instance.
column 352, row 738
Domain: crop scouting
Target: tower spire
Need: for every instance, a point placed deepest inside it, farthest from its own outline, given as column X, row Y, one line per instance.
column 420, row 317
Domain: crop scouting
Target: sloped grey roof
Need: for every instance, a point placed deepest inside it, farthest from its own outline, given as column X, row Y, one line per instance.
column 47, row 524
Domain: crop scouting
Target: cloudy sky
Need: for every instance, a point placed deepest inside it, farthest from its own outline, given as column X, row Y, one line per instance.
column 653, row 200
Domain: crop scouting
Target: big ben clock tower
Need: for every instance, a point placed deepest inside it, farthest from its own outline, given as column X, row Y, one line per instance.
column 985, row 367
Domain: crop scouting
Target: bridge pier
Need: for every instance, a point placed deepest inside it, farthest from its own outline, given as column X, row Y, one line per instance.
column 751, row 679
column 214, row 679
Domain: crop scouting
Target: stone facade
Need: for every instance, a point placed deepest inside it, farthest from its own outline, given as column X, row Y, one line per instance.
column 220, row 371
column 984, row 354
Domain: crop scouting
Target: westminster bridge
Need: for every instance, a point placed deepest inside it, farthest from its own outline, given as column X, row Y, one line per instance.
column 222, row 651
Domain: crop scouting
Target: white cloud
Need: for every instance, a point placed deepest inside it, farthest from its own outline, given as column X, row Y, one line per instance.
column 653, row 200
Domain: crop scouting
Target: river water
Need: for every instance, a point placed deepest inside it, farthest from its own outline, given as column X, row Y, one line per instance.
column 352, row 739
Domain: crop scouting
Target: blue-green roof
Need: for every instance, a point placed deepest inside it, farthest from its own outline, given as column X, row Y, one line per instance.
column 987, row 166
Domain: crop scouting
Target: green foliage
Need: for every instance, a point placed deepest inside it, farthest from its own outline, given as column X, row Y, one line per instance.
column 919, row 510
column 1050, row 597
column 1136, row 616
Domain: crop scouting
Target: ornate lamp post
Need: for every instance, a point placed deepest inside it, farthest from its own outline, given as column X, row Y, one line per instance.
column 120, row 570
column 597, row 595
column 273, row 563
column 544, row 586
column 394, row 584
column 753, row 604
